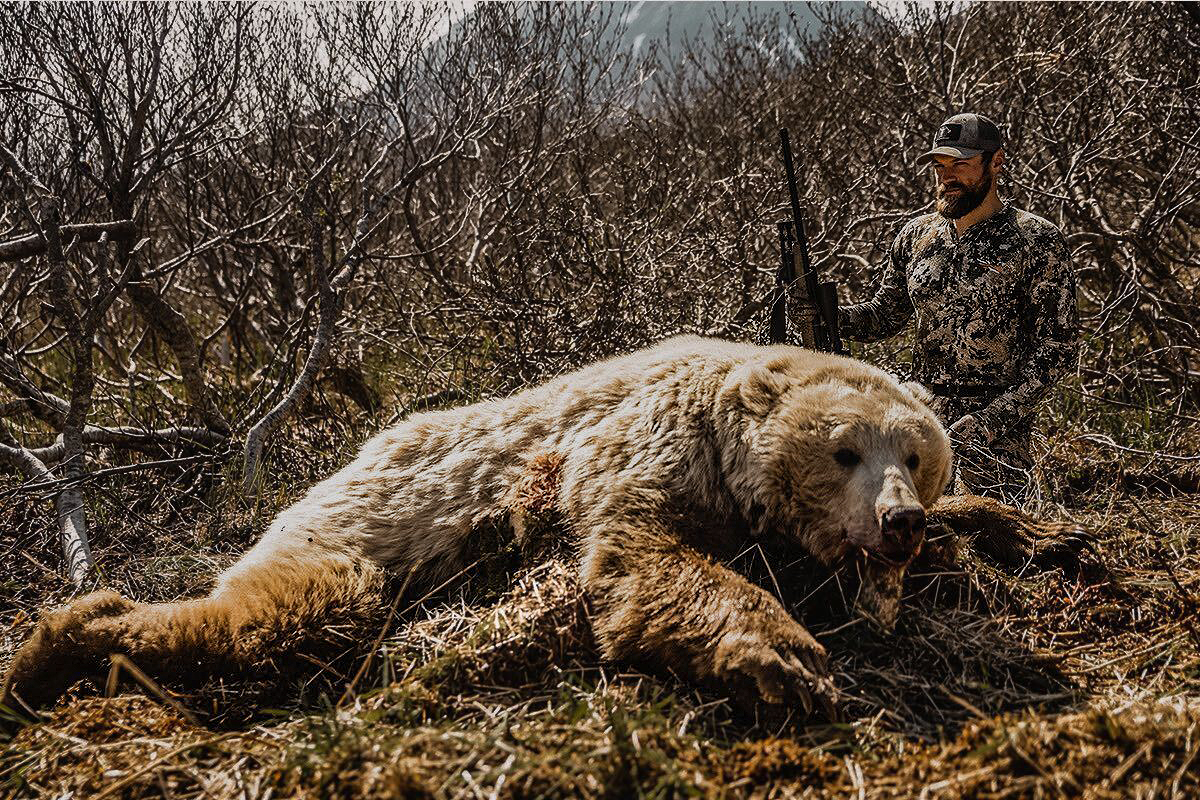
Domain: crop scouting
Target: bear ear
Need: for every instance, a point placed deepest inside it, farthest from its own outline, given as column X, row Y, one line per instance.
column 918, row 391
column 758, row 387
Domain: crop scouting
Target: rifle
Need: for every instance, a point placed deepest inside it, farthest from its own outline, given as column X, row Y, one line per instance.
column 815, row 303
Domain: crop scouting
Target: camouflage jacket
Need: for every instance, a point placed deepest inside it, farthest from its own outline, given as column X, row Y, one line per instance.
column 995, row 310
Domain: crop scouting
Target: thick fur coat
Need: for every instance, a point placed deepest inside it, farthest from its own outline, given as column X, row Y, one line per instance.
column 668, row 456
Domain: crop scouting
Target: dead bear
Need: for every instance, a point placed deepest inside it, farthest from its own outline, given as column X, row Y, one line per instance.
column 670, row 457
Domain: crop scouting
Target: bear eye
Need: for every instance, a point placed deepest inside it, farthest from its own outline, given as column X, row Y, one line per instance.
column 913, row 462
column 847, row 457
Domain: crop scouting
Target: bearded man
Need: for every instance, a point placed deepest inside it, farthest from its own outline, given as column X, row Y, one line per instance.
column 993, row 293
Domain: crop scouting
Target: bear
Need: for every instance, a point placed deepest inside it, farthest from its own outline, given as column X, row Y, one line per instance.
column 668, row 460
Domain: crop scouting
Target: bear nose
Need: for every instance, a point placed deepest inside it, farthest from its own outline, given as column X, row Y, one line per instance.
column 905, row 524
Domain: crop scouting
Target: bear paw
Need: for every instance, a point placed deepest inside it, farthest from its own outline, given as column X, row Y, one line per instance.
column 1071, row 548
column 779, row 669
column 1017, row 543
column 61, row 650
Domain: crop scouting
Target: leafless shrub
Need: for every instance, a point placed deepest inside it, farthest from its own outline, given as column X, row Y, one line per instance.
column 256, row 201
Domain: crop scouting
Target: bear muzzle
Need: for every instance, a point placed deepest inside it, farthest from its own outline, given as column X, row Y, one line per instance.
column 902, row 530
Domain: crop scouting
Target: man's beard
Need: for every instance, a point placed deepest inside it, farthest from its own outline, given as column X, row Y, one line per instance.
column 968, row 199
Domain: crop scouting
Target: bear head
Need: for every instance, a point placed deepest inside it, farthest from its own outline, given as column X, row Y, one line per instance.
column 832, row 453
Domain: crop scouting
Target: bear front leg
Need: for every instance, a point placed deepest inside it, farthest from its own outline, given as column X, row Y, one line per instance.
column 1015, row 541
column 660, row 602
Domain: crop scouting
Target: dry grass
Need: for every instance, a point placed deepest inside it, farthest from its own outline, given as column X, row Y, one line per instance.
column 993, row 685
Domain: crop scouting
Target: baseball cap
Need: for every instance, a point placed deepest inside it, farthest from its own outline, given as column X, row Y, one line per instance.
column 964, row 136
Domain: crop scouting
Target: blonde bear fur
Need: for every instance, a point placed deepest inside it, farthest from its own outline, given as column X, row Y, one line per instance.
column 668, row 456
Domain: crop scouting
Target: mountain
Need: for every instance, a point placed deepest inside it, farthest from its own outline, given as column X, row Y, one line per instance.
column 650, row 21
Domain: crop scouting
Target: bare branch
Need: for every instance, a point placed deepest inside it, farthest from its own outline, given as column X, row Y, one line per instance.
column 35, row 245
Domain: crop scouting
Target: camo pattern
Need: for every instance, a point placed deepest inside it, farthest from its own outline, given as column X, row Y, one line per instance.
column 998, row 466
column 995, row 311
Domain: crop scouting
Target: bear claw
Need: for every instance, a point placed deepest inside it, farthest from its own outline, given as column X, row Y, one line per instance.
column 782, row 675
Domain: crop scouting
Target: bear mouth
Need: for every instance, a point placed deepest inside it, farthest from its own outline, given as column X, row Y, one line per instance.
column 889, row 559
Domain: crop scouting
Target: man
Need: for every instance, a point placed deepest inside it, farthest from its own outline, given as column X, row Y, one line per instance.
column 994, row 297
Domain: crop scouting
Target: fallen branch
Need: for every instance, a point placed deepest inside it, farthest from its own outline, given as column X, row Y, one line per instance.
column 134, row 439
column 1106, row 441
column 61, row 483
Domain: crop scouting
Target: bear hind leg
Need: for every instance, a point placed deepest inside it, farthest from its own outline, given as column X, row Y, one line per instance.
column 250, row 622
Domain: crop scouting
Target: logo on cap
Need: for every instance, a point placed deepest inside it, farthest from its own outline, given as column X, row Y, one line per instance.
column 948, row 133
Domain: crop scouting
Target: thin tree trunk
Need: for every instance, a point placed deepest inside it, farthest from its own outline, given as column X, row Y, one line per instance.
column 71, row 512
column 173, row 328
column 318, row 354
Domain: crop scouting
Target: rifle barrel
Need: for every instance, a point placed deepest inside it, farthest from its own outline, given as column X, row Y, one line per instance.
column 810, row 275
column 797, row 212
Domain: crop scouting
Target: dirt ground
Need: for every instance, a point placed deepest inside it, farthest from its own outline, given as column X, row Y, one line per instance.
column 995, row 683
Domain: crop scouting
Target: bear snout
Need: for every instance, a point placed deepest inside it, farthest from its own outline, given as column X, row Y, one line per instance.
column 903, row 528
